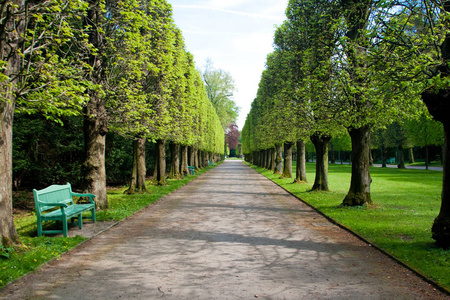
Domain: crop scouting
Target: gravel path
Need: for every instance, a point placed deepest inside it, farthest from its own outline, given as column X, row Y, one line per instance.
column 229, row 234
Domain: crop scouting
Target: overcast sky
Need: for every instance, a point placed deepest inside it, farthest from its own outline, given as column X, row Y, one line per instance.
column 236, row 35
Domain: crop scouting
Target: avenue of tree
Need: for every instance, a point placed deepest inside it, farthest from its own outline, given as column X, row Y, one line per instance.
column 119, row 66
column 357, row 67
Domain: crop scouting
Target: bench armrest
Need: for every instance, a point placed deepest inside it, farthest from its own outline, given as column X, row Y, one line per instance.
column 62, row 204
column 91, row 196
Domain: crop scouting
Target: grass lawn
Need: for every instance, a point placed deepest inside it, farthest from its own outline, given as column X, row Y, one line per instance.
column 422, row 164
column 38, row 250
column 405, row 203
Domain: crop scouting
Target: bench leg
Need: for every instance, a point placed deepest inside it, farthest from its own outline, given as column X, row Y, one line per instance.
column 93, row 214
column 65, row 225
column 80, row 221
column 39, row 227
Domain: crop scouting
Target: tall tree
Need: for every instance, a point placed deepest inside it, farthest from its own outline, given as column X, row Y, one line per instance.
column 232, row 136
column 220, row 89
column 37, row 65
column 415, row 50
column 425, row 132
column 397, row 136
column 308, row 35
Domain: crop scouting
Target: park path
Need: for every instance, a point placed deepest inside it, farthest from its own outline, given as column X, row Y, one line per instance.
column 228, row 234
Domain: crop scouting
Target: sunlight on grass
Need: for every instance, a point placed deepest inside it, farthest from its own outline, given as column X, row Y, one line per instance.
column 405, row 203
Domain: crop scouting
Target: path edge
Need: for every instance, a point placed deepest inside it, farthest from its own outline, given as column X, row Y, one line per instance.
column 416, row 272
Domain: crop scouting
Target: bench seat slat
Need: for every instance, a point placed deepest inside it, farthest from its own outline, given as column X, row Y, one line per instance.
column 70, row 211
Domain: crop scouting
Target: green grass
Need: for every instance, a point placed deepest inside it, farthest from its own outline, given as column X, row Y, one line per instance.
column 38, row 250
column 405, row 203
column 422, row 164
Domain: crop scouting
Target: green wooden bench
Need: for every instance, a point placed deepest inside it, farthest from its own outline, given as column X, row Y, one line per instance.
column 391, row 160
column 49, row 199
column 191, row 170
column 210, row 163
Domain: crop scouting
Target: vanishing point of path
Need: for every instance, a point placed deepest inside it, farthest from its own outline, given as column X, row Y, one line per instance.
column 229, row 234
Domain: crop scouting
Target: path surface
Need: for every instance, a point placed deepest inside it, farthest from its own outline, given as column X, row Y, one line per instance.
column 229, row 234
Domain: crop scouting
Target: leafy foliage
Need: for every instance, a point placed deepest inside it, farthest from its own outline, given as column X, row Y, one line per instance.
column 220, row 88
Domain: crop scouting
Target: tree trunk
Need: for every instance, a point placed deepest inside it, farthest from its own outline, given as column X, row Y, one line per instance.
column 11, row 40
column 401, row 157
column 439, row 105
column 411, row 156
column 133, row 182
column 384, row 156
column 191, row 155
column 95, row 130
column 441, row 225
column 139, row 170
column 174, row 160
column 287, row 166
column 300, row 171
column 427, row 160
column 359, row 192
column 196, row 161
column 161, row 162
column 333, row 155
column 95, row 123
column 320, row 142
column 8, row 231
column 200, row 158
column 268, row 157
column 184, row 160
column 278, row 159
column 273, row 154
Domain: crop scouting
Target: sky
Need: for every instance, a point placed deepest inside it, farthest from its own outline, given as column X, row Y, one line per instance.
column 236, row 35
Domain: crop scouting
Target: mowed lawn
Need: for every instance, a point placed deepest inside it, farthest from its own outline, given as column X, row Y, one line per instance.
column 405, row 203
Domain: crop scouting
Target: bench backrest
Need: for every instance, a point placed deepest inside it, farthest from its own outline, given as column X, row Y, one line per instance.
column 52, row 194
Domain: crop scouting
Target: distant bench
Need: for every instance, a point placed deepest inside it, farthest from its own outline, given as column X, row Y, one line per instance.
column 191, row 170
column 49, row 199
column 391, row 160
